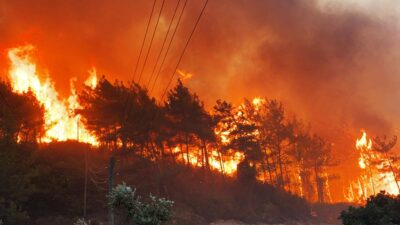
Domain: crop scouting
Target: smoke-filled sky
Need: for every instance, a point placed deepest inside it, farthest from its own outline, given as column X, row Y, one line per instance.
column 335, row 64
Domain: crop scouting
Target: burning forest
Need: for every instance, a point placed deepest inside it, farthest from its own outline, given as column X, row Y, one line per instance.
column 222, row 109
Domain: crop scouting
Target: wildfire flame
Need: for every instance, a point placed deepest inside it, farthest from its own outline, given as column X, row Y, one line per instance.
column 92, row 79
column 61, row 123
column 364, row 146
column 215, row 159
column 371, row 180
column 225, row 164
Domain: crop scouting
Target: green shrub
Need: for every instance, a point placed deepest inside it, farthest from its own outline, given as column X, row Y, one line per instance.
column 154, row 212
column 11, row 213
column 382, row 209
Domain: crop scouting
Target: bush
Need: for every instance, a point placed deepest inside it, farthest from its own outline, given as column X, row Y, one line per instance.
column 155, row 212
column 17, row 171
column 12, row 214
column 382, row 209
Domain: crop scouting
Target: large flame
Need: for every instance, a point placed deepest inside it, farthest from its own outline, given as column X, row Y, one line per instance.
column 364, row 146
column 92, row 79
column 61, row 122
column 372, row 179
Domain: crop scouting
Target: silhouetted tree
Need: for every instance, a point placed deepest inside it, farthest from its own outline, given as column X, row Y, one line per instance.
column 186, row 113
column 287, row 155
column 121, row 116
column 17, row 172
column 21, row 116
column 275, row 134
column 142, row 122
column 299, row 151
column 223, row 122
column 320, row 158
column 206, row 134
column 244, row 138
column 104, row 110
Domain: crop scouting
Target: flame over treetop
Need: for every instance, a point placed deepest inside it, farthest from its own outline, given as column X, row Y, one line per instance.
column 364, row 145
column 91, row 81
column 372, row 178
column 363, row 142
column 61, row 123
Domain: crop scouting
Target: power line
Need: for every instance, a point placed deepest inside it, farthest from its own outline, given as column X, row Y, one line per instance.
column 144, row 39
column 169, row 46
column 151, row 41
column 184, row 49
column 163, row 44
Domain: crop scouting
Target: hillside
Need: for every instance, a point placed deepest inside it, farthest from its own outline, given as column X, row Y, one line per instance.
column 200, row 196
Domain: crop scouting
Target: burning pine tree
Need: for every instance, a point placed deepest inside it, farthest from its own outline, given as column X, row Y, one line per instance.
column 255, row 140
column 379, row 168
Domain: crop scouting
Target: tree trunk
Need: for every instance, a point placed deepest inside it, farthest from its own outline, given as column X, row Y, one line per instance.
column 110, row 187
column 263, row 171
column 124, row 145
column 287, row 178
column 153, row 150
column 161, row 146
column 187, row 149
column 268, row 167
column 206, row 155
column 318, row 181
column 182, row 154
column 393, row 172
column 221, row 163
column 282, row 181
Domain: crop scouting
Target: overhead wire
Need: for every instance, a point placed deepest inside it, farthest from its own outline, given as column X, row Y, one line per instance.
column 151, row 40
column 184, row 49
column 144, row 40
column 164, row 41
column 169, row 46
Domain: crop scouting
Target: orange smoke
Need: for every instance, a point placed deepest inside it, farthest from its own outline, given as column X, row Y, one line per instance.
column 61, row 123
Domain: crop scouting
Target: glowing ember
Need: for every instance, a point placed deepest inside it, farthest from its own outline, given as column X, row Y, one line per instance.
column 184, row 75
column 60, row 121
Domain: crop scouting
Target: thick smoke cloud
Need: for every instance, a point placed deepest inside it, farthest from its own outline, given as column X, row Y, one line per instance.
column 334, row 66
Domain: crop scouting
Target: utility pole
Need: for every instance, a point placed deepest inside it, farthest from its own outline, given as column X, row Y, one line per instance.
column 86, row 173
column 110, row 187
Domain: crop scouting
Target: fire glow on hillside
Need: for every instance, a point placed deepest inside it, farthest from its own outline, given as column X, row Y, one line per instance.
column 62, row 123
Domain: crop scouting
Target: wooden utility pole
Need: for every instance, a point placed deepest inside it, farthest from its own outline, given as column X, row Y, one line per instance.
column 86, row 172
column 85, row 191
column 110, row 187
